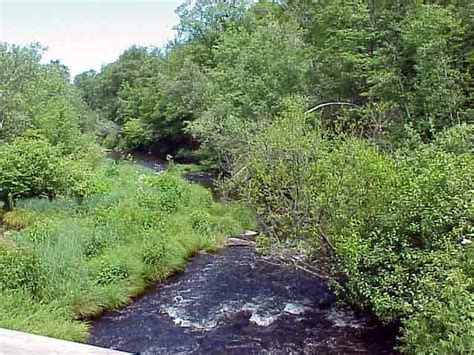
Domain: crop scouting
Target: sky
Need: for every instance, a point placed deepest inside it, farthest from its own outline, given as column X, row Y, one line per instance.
column 85, row 34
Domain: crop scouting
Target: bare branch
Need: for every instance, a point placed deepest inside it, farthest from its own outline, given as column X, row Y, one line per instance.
column 329, row 104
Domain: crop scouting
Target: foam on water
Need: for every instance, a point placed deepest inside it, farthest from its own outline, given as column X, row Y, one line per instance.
column 233, row 302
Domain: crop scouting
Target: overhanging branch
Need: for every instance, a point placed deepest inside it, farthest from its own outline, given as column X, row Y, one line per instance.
column 329, row 104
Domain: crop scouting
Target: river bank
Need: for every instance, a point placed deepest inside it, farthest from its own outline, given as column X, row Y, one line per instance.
column 64, row 261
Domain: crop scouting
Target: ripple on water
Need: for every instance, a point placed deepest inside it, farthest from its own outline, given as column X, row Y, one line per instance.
column 233, row 302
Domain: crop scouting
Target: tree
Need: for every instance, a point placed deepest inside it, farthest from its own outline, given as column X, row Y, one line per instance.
column 29, row 167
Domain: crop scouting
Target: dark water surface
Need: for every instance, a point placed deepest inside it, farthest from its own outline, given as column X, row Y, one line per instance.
column 235, row 302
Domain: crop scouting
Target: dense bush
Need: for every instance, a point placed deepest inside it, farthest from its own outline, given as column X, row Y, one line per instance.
column 29, row 167
column 458, row 139
column 21, row 269
column 46, row 146
column 39, row 99
column 201, row 221
column 395, row 229
column 110, row 272
column 34, row 167
column 169, row 190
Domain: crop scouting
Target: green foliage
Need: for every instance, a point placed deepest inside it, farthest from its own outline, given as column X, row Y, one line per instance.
column 21, row 269
column 377, row 181
column 458, row 139
column 395, row 229
column 34, row 167
column 169, row 190
column 37, row 98
column 29, row 167
column 45, row 144
column 201, row 221
column 257, row 64
column 443, row 325
column 95, row 246
column 136, row 133
column 391, row 65
column 153, row 253
column 110, row 273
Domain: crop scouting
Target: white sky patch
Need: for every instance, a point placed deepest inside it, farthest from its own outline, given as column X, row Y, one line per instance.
column 85, row 34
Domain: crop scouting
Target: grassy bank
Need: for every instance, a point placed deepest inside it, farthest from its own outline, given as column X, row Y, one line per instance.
column 63, row 261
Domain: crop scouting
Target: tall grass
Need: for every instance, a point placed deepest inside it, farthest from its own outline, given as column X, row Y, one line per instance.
column 82, row 258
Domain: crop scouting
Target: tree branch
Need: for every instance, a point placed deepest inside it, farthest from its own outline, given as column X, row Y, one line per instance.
column 329, row 104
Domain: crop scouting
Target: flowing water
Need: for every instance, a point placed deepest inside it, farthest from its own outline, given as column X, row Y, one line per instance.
column 237, row 302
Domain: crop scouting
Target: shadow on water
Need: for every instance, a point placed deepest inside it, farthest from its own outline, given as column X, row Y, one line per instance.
column 237, row 302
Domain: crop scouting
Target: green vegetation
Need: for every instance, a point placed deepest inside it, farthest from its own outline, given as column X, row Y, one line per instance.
column 72, row 260
column 46, row 131
column 394, row 229
column 347, row 125
column 81, row 235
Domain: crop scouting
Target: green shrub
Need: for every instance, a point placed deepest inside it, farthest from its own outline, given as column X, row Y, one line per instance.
column 444, row 324
column 201, row 221
column 32, row 167
column 457, row 139
column 396, row 229
column 169, row 190
column 20, row 268
column 110, row 140
column 153, row 253
column 29, row 167
column 110, row 272
column 94, row 246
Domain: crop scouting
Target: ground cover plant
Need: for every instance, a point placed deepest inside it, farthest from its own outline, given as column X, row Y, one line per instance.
column 65, row 260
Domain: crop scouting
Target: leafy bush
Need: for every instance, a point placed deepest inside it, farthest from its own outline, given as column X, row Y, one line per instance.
column 110, row 273
column 396, row 229
column 38, row 99
column 21, row 269
column 29, row 167
column 34, row 167
column 94, row 246
column 201, row 221
column 137, row 133
column 458, row 139
column 169, row 191
column 443, row 325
